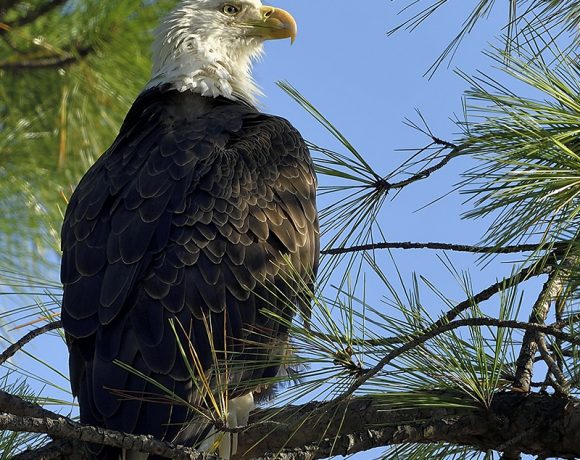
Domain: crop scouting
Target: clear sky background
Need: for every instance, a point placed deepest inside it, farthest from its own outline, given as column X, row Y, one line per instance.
column 367, row 84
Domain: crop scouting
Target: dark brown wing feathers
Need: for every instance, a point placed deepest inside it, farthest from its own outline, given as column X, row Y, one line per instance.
column 188, row 216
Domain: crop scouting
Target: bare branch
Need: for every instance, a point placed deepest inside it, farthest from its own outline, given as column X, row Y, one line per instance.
column 13, row 349
column 562, row 386
column 55, row 450
column 424, row 174
column 525, row 363
column 445, row 247
column 434, row 331
column 67, row 429
column 533, row 424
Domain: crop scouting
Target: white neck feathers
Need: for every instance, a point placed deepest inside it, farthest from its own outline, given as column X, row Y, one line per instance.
column 202, row 61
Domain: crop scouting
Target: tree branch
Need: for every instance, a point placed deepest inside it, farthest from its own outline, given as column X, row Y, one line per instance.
column 525, row 363
column 64, row 428
column 434, row 331
column 424, row 174
column 55, row 450
column 445, row 247
column 533, row 424
column 19, row 415
column 17, row 406
column 562, row 386
column 55, row 61
column 13, row 349
column 488, row 293
column 33, row 15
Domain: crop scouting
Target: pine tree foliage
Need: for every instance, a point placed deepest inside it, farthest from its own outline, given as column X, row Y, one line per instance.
column 70, row 69
column 529, row 149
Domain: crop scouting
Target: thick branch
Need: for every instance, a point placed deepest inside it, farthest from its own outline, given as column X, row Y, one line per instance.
column 533, row 424
column 19, row 415
column 55, row 450
column 17, row 406
column 525, row 362
column 63, row 428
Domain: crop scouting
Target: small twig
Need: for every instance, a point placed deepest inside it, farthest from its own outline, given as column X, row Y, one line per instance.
column 560, row 306
column 561, row 385
column 421, row 175
column 33, row 15
column 445, row 247
column 443, row 328
column 64, row 60
column 486, row 294
column 13, row 349
column 444, row 143
column 562, row 323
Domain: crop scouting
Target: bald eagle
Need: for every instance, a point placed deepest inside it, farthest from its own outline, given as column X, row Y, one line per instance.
column 191, row 241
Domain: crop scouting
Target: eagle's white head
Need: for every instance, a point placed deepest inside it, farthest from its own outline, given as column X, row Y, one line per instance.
column 208, row 46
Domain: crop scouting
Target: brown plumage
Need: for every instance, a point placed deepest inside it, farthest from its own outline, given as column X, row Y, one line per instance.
column 193, row 214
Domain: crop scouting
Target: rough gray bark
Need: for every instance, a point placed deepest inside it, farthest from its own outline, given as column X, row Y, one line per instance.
column 535, row 424
column 542, row 425
column 64, row 428
column 525, row 363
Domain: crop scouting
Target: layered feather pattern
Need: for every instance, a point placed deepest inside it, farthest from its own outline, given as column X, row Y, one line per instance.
column 193, row 215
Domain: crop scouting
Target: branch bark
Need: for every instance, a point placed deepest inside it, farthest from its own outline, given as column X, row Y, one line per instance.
column 13, row 349
column 445, row 247
column 543, row 425
column 425, row 173
column 64, row 428
column 55, row 450
column 533, row 424
column 525, row 363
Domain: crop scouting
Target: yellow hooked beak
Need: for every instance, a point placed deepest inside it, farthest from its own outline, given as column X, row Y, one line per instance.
column 274, row 24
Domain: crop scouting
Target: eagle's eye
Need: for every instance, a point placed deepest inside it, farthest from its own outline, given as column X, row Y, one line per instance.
column 230, row 10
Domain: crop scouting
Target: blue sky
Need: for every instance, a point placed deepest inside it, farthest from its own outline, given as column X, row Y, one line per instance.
column 367, row 83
